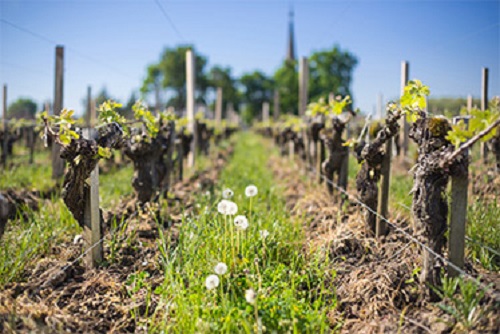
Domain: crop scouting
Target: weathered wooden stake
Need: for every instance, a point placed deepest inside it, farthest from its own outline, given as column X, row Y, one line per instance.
column 303, row 85
column 5, row 128
column 276, row 105
column 405, row 70
column 291, row 150
column 89, row 107
column 265, row 112
column 469, row 103
column 190, row 90
column 169, row 162
column 458, row 215
column 319, row 159
column 57, row 162
column 180, row 159
column 344, row 169
column 484, row 106
column 31, row 143
column 218, row 107
column 92, row 217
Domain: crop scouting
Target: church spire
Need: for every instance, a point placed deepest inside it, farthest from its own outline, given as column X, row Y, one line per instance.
column 290, row 53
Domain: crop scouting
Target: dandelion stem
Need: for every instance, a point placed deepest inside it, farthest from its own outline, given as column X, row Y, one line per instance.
column 231, row 228
column 225, row 238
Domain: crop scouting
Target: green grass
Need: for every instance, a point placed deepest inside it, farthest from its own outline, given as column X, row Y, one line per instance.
column 114, row 185
column 292, row 287
column 482, row 226
column 28, row 239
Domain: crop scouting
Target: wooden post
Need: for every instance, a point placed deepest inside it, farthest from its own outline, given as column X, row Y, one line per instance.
column 344, row 169
column 484, row 89
column 180, row 157
column 320, row 157
column 405, row 70
column 89, row 107
column 484, row 106
column 469, row 103
column 218, row 107
column 291, row 149
column 303, row 85
column 265, row 112
column 31, row 143
column 190, row 89
column 458, row 215
column 57, row 162
column 380, row 106
column 92, row 217
column 169, row 162
column 276, row 105
column 5, row 128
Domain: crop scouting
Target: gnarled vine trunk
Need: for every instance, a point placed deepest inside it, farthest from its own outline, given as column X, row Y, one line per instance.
column 337, row 152
column 430, row 205
column 82, row 157
column 372, row 155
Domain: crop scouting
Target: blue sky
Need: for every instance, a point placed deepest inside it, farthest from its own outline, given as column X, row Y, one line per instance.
column 110, row 42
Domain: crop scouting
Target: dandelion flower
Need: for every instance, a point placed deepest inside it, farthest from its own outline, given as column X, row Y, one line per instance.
column 232, row 208
column 251, row 191
column 241, row 222
column 212, row 282
column 264, row 234
column 220, row 268
column 223, row 206
column 250, row 296
column 227, row 193
column 226, row 207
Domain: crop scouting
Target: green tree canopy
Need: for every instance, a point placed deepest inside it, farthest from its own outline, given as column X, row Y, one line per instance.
column 257, row 88
column 153, row 83
column 331, row 71
column 171, row 72
column 286, row 81
column 22, row 108
column 222, row 77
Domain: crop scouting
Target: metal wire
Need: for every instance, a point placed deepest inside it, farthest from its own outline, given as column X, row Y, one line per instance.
column 486, row 288
column 474, row 241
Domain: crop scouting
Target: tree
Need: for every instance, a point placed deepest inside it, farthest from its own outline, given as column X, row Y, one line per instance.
column 101, row 97
column 152, row 83
column 287, row 83
column 126, row 110
column 22, row 108
column 257, row 88
column 171, row 71
column 221, row 77
column 330, row 71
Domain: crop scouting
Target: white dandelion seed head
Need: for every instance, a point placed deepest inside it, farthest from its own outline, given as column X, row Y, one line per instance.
column 250, row 296
column 220, row 268
column 222, row 206
column 241, row 222
column 251, row 191
column 264, row 234
column 227, row 193
column 226, row 207
column 232, row 209
column 212, row 282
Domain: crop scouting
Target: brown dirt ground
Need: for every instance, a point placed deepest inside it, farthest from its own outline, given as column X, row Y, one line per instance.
column 376, row 288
